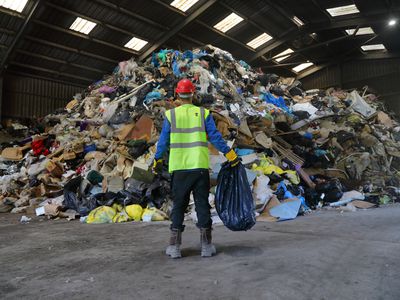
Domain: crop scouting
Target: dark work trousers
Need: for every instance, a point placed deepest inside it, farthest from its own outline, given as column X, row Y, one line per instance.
column 184, row 182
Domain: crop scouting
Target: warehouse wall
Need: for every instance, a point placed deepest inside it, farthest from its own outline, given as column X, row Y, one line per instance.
column 28, row 97
column 382, row 75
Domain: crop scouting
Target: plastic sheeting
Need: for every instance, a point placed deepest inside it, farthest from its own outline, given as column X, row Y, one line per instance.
column 360, row 106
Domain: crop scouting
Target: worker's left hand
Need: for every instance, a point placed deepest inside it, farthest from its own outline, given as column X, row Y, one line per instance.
column 157, row 166
column 233, row 158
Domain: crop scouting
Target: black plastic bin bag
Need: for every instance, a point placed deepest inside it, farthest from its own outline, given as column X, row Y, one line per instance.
column 234, row 200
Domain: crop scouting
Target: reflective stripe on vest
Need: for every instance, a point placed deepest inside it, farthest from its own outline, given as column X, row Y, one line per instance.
column 189, row 145
column 188, row 138
column 187, row 130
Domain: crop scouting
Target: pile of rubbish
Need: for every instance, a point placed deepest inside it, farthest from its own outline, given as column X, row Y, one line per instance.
column 302, row 150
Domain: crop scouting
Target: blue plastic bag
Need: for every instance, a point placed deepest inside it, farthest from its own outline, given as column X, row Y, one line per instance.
column 279, row 102
column 233, row 199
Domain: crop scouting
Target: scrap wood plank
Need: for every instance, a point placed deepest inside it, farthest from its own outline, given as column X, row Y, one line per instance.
column 297, row 160
column 281, row 141
column 287, row 153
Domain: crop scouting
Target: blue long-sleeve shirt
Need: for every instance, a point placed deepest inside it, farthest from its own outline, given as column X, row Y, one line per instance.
column 214, row 137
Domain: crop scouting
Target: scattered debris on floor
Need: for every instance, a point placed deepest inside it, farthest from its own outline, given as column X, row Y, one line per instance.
column 303, row 150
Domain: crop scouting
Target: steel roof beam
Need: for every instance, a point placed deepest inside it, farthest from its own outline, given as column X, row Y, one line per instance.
column 245, row 18
column 127, row 12
column 345, row 56
column 260, row 27
column 283, row 11
column 313, row 70
column 109, row 26
column 7, row 31
column 325, row 43
column 70, row 49
column 226, row 36
column 51, row 71
column 11, row 13
column 190, row 18
column 206, row 25
column 60, row 61
column 19, row 35
column 84, row 36
column 346, row 23
column 166, row 5
column 290, row 34
column 315, row 27
column 379, row 55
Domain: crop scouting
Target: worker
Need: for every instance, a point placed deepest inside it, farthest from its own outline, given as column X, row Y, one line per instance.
column 185, row 131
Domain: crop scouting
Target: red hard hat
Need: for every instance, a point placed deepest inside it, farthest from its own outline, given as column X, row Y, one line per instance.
column 185, row 86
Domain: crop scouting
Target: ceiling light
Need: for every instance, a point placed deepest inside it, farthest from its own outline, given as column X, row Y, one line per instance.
column 230, row 21
column 258, row 41
column 343, row 10
column 82, row 25
column 298, row 21
column 287, row 51
column 392, row 22
column 183, row 5
column 302, row 67
column 16, row 5
column 373, row 47
column 136, row 44
column 361, row 31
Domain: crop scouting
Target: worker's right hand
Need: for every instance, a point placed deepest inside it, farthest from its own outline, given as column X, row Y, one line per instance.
column 232, row 157
column 157, row 166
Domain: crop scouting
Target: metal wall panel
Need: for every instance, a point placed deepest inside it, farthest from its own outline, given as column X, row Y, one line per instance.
column 27, row 97
column 325, row 78
column 352, row 72
column 368, row 69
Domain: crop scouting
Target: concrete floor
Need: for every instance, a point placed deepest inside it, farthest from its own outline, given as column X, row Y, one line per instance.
column 325, row 255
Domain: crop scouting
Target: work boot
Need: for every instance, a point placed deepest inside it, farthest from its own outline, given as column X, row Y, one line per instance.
column 207, row 248
column 175, row 241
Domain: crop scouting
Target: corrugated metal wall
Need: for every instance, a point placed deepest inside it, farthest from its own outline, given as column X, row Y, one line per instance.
column 325, row 78
column 27, row 97
column 381, row 75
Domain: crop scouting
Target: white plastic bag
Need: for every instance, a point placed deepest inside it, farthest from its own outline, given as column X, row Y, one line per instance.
column 262, row 190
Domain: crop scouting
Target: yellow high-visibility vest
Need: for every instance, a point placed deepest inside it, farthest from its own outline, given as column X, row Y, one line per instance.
column 188, row 138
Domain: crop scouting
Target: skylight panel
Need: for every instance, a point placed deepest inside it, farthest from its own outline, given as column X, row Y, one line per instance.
column 343, row 10
column 16, row 5
column 287, row 51
column 183, row 5
column 82, row 25
column 298, row 21
column 258, row 41
column 229, row 22
column 136, row 44
column 361, row 31
column 302, row 67
column 373, row 47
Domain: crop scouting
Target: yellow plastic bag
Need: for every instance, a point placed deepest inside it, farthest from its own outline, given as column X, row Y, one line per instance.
column 100, row 215
column 153, row 214
column 121, row 217
column 134, row 211
column 267, row 167
column 293, row 176
column 117, row 207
